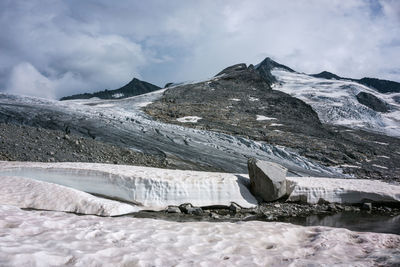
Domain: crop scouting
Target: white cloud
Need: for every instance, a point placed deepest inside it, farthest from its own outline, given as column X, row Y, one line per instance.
column 84, row 46
column 25, row 79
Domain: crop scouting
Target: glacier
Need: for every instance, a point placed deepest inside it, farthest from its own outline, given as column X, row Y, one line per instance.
column 335, row 101
column 46, row 238
column 122, row 122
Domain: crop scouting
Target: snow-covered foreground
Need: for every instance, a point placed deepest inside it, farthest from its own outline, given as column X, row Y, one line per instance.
column 44, row 238
column 335, row 101
column 150, row 188
column 28, row 193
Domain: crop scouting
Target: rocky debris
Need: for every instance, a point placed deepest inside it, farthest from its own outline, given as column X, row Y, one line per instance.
column 26, row 143
column 372, row 102
column 366, row 206
column 270, row 211
column 187, row 208
column 234, row 207
column 267, row 179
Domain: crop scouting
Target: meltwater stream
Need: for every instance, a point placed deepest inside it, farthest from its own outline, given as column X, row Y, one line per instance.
column 360, row 222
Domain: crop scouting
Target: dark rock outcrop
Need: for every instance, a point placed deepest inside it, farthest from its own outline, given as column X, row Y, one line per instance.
column 133, row 88
column 267, row 179
column 372, row 102
column 382, row 86
column 327, row 75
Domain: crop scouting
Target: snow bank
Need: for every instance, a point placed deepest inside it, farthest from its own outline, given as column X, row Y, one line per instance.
column 149, row 187
column 28, row 193
column 312, row 190
column 43, row 238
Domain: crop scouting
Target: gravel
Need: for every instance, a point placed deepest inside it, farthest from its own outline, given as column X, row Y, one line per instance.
column 25, row 143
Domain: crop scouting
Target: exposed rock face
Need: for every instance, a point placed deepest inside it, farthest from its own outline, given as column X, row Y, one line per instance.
column 267, row 179
column 372, row 102
column 383, row 86
column 327, row 75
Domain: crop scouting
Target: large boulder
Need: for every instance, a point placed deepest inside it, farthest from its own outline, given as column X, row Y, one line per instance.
column 267, row 179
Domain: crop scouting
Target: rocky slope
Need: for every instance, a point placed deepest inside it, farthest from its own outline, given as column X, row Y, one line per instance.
column 25, row 143
column 133, row 88
column 240, row 101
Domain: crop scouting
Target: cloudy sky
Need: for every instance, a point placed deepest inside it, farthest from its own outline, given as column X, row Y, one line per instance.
column 55, row 48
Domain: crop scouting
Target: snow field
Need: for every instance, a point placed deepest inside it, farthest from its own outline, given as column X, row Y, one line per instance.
column 43, row 238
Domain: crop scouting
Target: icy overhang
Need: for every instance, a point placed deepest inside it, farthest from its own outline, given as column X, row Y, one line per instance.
column 146, row 187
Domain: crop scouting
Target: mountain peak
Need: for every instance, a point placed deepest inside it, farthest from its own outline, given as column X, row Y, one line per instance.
column 270, row 64
column 264, row 69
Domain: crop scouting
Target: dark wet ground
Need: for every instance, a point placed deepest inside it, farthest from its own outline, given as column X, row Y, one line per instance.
column 380, row 219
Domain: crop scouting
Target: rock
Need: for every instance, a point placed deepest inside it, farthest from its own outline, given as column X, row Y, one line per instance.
column 267, row 179
column 235, row 207
column 332, row 207
column 185, row 207
column 372, row 102
column 173, row 209
column 66, row 137
column 195, row 211
column 366, row 206
column 214, row 215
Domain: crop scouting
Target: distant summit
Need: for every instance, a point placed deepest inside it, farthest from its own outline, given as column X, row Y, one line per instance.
column 133, row 88
column 327, row 75
column 265, row 67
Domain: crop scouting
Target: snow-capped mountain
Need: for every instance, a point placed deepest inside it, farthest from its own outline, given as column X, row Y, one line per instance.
column 319, row 118
column 267, row 111
column 340, row 101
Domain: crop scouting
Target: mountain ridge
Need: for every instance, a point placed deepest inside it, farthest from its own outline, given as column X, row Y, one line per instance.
column 133, row 88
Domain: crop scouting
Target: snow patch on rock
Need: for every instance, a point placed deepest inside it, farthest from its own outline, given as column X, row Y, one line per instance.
column 117, row 95
column 192, row 119
column 264, row 118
